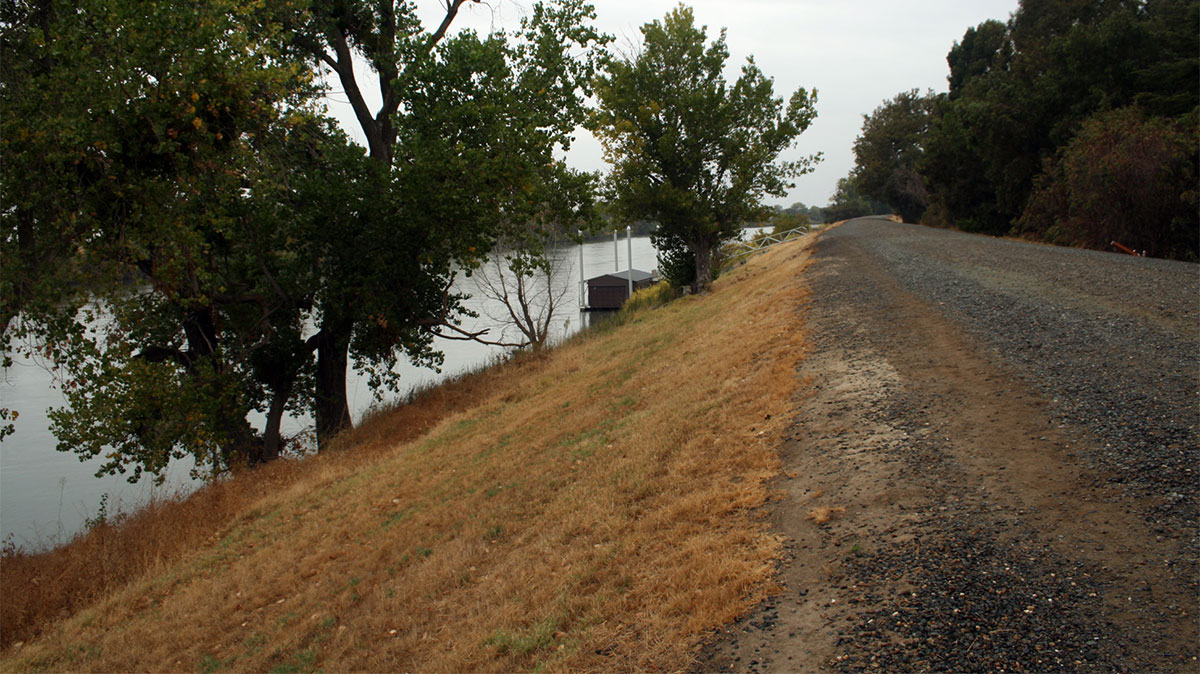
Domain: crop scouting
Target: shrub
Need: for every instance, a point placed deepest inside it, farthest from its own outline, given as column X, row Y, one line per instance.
column 647, row 298
column 1125, row 178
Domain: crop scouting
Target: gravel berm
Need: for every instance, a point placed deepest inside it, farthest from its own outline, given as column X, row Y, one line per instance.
column 1005, row 437
column 1111, row 339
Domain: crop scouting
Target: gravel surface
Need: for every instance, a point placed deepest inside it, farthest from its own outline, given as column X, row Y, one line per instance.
column 1008, row 435
column 1112, row 340
column 980, row 588
column 982, row 602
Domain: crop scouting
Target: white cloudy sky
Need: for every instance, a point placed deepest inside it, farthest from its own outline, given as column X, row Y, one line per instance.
column 855, row 53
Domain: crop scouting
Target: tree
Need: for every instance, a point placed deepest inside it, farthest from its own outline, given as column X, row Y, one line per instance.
column 783, row 220
column 1018, row 97
column 1167, row 77
column 689, row 151
column 848, row 202
column 956, row 172
column 134, row 142
column 466, row 131
column 181, row 214
column 530, row 288
column 983, row 48
column 888, row 151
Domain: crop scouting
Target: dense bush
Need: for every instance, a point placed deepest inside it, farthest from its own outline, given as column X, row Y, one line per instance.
column 1126, row 178
column 1074, row 121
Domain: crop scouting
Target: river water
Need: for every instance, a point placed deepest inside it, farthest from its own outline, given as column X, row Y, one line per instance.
column 47, row 496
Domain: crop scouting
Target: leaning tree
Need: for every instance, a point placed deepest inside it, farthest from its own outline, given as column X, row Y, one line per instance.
column 465, row 138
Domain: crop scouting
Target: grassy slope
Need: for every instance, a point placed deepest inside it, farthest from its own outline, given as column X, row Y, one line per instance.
column 594, row 510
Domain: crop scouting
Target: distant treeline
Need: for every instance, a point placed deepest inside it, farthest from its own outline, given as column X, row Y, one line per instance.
column 795, row 215
column 1074, row 123
column 638, row 228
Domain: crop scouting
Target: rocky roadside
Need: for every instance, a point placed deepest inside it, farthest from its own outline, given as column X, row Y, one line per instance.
column 991, row 471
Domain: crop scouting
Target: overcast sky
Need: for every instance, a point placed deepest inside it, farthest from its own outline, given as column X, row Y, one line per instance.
column 855, row 53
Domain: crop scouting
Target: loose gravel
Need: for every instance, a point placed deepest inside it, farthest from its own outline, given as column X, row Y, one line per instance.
column 981, row 602
column 950, row 559
column 1112, row 340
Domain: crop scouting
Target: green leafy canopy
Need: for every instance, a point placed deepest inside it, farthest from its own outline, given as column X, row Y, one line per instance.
column 688, row 150
column 190, row 239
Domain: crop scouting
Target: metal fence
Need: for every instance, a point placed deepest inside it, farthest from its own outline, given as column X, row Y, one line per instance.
column 739, row 251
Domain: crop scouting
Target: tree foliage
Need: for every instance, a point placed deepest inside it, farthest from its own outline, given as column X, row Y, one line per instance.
column 1124, row 178
column 888, row 151
column 466, row 130
column 690, row 151
column 983, row 49
column 134, row 143
column 184, row 231
column 848, row 202
column 1021, row 94
column 784, row 219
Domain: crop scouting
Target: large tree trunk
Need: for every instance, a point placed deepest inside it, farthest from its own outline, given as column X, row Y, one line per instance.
column 241, row 445
column 702, row 251
column 332, row 405
column 272, row 440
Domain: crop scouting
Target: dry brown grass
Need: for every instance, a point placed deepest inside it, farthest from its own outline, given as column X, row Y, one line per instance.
column 40, row 587
column 592, row 509
column 823, row 514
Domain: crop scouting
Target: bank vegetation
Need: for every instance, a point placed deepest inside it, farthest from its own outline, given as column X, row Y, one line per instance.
column 594, row 507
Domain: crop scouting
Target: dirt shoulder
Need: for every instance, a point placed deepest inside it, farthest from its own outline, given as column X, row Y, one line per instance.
column 943, row 510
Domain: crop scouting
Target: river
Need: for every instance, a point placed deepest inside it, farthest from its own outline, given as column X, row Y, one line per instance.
column 46, row 496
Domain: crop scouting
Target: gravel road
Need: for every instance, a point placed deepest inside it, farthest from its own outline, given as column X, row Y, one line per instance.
column 1004, row 440
column 1112, row 340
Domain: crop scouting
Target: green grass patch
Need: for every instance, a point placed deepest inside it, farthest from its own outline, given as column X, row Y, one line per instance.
column 492, row 491
column 525, row 641
column 399, row 516
column 302, row 661
column 209, row 664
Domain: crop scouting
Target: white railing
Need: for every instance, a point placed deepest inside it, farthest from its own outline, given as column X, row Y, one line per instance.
column 740, row 250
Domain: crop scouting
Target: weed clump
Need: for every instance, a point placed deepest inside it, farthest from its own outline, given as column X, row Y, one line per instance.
column 823, row 514
column 649, row 298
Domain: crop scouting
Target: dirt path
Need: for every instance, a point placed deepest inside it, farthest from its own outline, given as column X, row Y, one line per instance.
column 954, row 504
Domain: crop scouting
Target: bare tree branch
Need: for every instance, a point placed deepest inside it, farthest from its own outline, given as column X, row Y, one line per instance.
column 467, row 336
column 529, row 300
column 451, row 11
